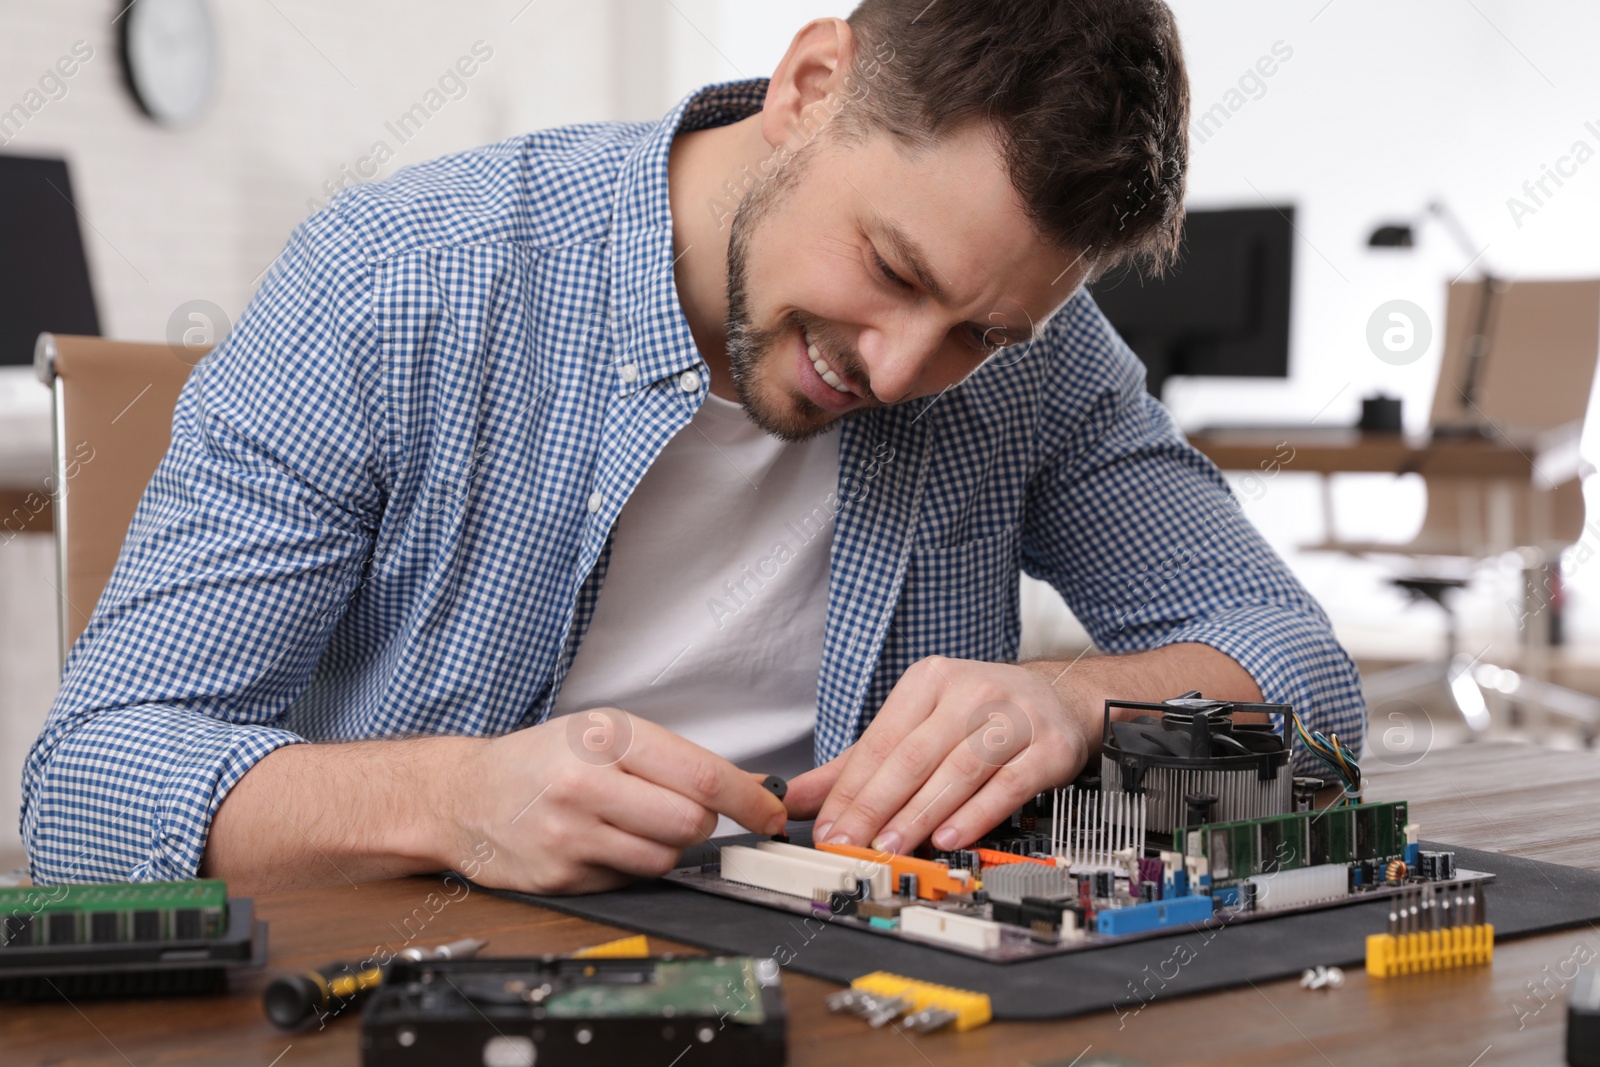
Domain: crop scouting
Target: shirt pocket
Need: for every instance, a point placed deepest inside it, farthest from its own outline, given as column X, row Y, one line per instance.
column 962, row 600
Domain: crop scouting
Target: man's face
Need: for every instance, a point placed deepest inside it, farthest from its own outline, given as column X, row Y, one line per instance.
column 868, row 276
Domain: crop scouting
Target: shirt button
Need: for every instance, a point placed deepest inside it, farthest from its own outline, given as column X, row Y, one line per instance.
column 595, row 500
column 689, row 381
column 629, row 372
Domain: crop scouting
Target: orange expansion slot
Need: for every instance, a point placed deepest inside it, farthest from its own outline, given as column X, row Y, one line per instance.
column 933, row 879
column 990, row 857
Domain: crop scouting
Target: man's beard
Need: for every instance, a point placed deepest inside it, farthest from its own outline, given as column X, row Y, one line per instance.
column 752, row 350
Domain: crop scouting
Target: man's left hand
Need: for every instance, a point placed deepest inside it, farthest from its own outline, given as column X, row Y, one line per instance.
column 956, row 748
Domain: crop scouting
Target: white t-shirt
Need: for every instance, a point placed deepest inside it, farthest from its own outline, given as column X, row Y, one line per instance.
column 711, row 615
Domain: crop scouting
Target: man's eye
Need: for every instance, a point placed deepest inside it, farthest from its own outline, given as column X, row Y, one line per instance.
column 888, row 272
column 988, row 339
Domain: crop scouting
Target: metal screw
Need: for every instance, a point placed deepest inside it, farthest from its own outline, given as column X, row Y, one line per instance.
column 1322, row 977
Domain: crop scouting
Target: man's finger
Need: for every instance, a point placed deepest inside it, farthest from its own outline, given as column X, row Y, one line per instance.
column 681, row 766
column 931, row 773
column 808, row 791
column 963, row 772
column 908, row 705
column 617, row 850
column 908, row 768
column 640, row 807
column 1007, row 790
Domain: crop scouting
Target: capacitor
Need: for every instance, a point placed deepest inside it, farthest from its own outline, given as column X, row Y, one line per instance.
column 1105, row 884
column 1247, row 896
column 908, row 886
column 1447, row 865
column 1429, row 866
column 1147, row 892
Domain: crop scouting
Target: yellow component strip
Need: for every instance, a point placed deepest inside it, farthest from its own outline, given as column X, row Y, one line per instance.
column 1391, row 955
column 971, row 1009
column 623, row 948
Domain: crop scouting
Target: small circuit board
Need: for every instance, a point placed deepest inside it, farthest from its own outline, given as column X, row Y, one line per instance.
column 590, row 1011
column 124, row 939
column 1193, row 821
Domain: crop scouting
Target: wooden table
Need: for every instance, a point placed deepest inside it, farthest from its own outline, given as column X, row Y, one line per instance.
column 1497, row 797
column 1335, row 450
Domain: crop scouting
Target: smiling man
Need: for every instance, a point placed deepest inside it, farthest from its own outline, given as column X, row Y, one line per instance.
column 570, row 482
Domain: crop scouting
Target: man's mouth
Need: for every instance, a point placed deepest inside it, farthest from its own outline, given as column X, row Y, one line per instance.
column 824, row 370
column 822, row 383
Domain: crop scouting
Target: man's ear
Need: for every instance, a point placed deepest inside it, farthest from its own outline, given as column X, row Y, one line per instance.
column 812, row 72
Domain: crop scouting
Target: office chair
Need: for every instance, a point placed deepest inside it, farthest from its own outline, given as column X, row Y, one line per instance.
column 1533, row 387
column 112, row 423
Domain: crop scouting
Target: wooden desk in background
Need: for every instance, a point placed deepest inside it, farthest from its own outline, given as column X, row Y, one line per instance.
column 1498, row 797
column 1340, row 451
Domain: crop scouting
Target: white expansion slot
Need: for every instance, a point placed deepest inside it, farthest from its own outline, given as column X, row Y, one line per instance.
column 879, row 878
column 795, row 875
column 1288, row 889
column 949, row 928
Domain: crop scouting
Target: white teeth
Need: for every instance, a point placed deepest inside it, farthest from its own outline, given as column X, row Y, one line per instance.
column 825, row 372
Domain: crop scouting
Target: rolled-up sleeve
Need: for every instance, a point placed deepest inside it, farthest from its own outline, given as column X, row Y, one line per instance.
column 245, row 550
column 1141, row 536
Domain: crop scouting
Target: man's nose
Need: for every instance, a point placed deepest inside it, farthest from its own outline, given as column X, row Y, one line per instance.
column 896, row 359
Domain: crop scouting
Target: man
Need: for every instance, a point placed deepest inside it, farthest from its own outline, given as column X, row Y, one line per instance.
column 560, row 478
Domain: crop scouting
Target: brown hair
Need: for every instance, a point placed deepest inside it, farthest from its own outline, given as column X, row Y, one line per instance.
column 1089, row 101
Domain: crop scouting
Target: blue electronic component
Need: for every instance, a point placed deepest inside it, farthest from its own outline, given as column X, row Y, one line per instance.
column 1136, row 918
column 1177, row 885
column 1413, row 855
column 1227, row 897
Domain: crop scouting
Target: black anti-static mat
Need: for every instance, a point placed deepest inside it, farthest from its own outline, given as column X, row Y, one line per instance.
column 1526, row 897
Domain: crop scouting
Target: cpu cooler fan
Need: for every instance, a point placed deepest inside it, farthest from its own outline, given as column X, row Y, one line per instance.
column 1195, row 763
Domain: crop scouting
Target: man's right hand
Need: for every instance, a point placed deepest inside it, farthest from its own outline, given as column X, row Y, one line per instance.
column 580, row 803
column 588, row 801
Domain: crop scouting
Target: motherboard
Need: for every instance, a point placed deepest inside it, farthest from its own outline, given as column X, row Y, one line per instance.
column 1194, row 819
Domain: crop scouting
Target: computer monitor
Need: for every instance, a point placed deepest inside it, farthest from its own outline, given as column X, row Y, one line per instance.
column 1222, row 310
column 44, row 278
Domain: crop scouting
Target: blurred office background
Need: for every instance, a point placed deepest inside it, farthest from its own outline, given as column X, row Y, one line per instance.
column 1372, row 110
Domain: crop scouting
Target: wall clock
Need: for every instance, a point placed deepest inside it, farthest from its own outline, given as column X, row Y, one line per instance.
column 169, row 56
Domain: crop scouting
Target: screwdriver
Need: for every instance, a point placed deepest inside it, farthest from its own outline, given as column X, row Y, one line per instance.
column 291, row 999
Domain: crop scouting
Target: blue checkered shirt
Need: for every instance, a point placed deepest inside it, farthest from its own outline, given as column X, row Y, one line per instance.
column 387, row 503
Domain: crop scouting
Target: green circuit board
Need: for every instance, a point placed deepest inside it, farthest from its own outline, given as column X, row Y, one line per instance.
column 1235, row 851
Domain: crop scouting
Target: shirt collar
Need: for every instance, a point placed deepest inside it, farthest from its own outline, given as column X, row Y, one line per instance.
column 652, row 335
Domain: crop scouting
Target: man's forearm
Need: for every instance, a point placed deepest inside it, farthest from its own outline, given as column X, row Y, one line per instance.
column 321, row 814
column 1085, row 684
